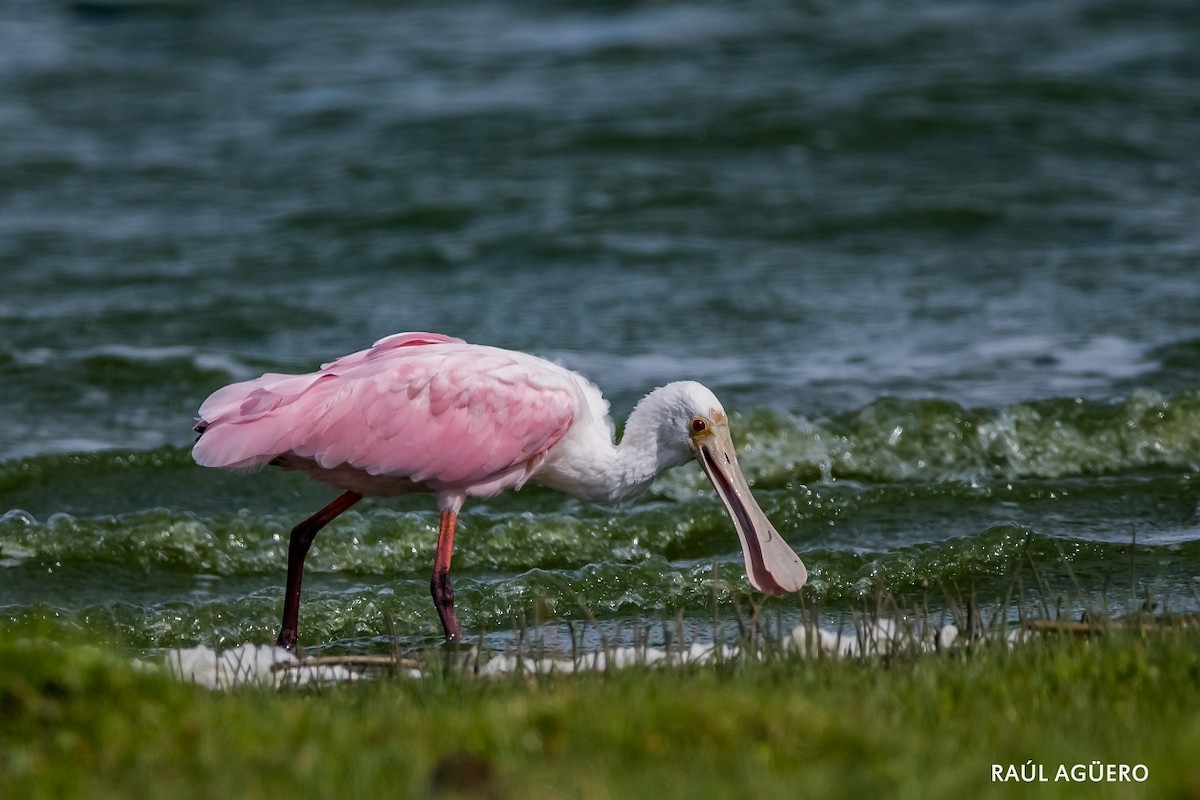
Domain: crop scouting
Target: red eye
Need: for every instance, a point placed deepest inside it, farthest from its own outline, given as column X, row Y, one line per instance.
column 699, row 425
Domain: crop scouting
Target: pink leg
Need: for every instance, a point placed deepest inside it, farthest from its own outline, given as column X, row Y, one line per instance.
column 440, row 586
column 302, row 536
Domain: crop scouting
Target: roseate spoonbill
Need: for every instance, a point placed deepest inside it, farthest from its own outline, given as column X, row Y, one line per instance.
column 423, row 412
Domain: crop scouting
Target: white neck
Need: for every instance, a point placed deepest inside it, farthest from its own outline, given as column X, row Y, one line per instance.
column 591, row 467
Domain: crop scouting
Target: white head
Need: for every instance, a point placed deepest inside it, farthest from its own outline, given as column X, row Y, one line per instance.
column 690, row 423
column 665, row 417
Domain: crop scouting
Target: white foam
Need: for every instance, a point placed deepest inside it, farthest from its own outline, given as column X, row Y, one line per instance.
column 248, row 665
column 274, row 666
column 612, row 658
column 1105, row 355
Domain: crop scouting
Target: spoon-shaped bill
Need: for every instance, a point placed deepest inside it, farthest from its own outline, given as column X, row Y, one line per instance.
column 771, row 564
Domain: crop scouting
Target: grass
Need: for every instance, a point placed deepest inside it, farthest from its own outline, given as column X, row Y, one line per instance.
column 78, row 720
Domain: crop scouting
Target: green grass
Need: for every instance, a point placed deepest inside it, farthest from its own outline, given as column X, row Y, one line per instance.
column 79, row 721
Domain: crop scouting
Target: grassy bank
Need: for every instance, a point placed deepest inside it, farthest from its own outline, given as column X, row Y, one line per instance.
column 79, row 721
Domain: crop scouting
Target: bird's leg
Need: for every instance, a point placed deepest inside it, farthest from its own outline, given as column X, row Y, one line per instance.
column 302, row 537
column 440, row 586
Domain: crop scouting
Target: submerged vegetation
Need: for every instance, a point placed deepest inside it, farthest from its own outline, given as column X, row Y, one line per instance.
column 978, row 719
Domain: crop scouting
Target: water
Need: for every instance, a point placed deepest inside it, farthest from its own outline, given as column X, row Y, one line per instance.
column 941, row 259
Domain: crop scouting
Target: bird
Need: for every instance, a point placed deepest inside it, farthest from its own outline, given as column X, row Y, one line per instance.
column 426, row 412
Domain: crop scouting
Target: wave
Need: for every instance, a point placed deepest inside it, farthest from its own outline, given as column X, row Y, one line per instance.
column 937, row 440
column 997, row 568
column 916, row 499
column 889, row 439
column 930, row 442
column 856, row 541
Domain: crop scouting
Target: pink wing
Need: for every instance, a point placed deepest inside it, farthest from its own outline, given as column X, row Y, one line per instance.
column 426, row 407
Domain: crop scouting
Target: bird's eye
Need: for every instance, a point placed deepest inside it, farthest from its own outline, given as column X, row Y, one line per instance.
column 699, row 425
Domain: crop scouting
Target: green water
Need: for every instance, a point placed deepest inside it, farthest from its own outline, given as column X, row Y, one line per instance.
column 941, row 260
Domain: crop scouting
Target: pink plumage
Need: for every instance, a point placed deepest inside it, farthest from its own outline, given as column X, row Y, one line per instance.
column 415, row 411
column 426, row 412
